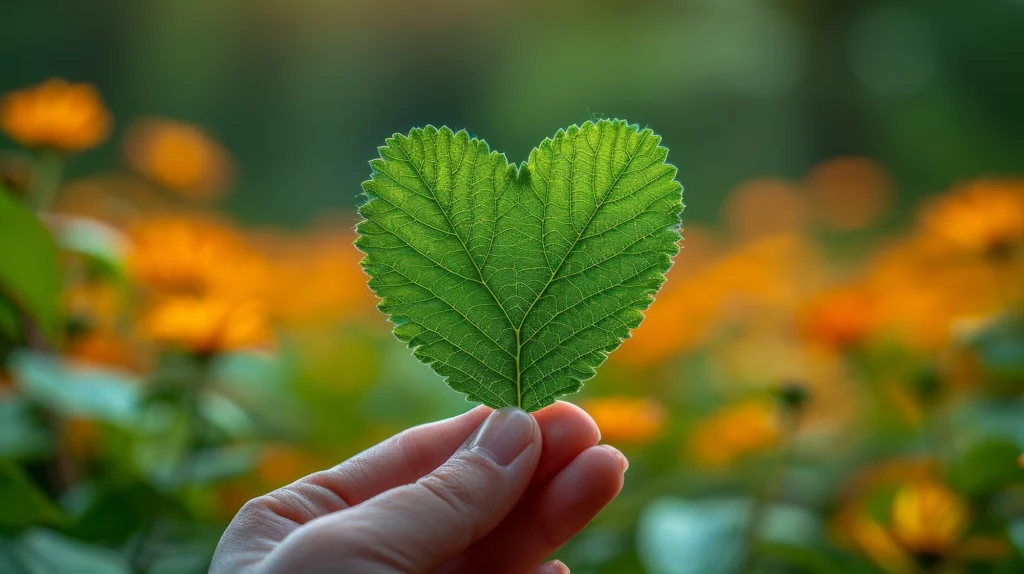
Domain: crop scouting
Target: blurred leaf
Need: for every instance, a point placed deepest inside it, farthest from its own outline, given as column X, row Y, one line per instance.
column 677, row 536
column 226, row 415
column 9, row 323
column 999, row 347
column 987, row 466
column 1016, row 532
column 29, row 271
column 77, row 390
column 211, row 465
column 45, row 552
column 91, row 238
column 802, row 559
column 23, row 504
column 498, row 277
column 985, row 418
column 112, row 513
column 21, row 434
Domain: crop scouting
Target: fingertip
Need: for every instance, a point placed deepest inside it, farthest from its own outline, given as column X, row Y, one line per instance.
column 567, row 431
column 553, row 567
column 617, row 454
column 570, row 414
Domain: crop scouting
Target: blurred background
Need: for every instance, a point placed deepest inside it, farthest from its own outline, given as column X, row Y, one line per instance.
column 831, row 380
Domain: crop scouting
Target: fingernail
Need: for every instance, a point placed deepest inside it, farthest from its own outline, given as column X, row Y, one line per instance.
column 504, row 435
column 623, row 461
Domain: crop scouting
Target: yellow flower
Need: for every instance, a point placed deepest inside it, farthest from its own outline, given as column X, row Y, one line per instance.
column 928, row 518
column 178, row 255
column 984, row 217
column 178, row 156
column 877, row 543
column 734, row 432
column 55, row 114
column 625, row 419
column 206, row 325
column 925, row 530
column 925, row 522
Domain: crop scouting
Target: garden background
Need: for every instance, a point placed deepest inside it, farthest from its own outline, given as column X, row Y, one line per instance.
column 831, row 380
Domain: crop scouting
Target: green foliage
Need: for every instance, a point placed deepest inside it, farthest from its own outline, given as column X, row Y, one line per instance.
column 23, row 503
column 95, row 240
column 92, row 392
column 516, row 283
column 28, row 264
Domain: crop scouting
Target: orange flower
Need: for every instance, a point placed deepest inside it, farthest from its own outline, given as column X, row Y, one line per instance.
column 984, row 217
column 55, row 114
column 206, row 324
column 849, row 192
column 626, row 420
column 106, row 348
column 768, row 275
column 178, row 156
column 193, row 256
column 114, row 198
column 764, row 206
column 317, row 277
column 839, row 318
column 918, row 291
column 734, row 432
column 282, row 463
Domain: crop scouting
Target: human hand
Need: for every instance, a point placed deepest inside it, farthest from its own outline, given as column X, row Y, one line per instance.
column 486, row 491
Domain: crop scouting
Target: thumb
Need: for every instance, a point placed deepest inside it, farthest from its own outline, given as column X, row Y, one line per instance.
column 419, row 527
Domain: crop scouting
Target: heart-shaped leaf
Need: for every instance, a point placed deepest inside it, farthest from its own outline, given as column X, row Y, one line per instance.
column 514, row 283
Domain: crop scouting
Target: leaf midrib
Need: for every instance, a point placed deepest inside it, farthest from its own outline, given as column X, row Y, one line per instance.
column 554, row 273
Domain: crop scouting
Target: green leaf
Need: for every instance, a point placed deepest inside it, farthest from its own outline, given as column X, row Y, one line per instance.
column 29, row 272
column 514, row 283
column 21, row 434
column 10, row 323
column 987, row 467
column 96, row 240
column 23, row 503
column 43, row 551
column 77, row 390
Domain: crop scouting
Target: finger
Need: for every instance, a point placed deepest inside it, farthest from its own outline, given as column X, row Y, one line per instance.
column 567, row 431
column 264, row 521
column 546, row 521
column 418, row 527
column 410, row 455
column 553, row 567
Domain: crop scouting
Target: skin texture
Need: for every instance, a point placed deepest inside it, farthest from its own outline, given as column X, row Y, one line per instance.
column 452, row 497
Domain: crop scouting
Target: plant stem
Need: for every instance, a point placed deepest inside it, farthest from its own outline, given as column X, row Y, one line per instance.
column 48, row 170
column 767, row 494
